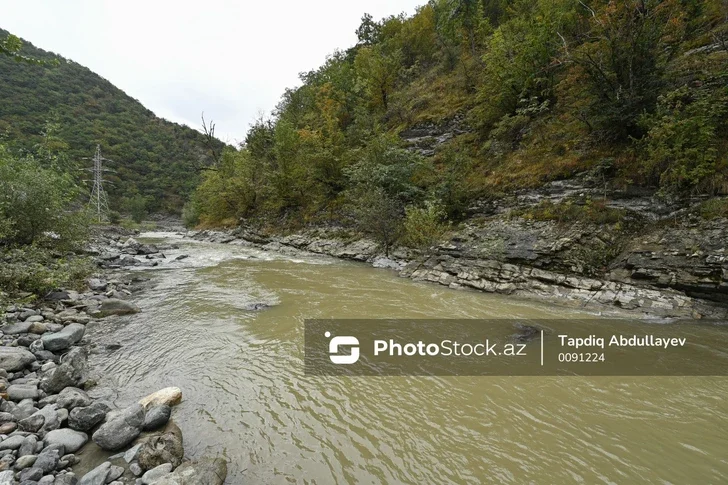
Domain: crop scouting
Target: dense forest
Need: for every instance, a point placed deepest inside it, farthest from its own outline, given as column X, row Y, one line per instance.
column 65, row 110
column 533, row 91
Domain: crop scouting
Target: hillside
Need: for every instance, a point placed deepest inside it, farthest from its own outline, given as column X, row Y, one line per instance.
column 468, row 101
column 157, row 161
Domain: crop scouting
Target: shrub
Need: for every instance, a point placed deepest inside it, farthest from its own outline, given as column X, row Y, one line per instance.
column 114, row 217
column 424, row 226
column 714, row 209
column 191, row 214
column 39, row 270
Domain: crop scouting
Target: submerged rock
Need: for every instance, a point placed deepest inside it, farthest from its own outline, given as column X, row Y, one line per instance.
column 114, row 306
column 164, row 448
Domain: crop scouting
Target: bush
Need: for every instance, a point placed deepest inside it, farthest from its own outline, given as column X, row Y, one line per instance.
column 191, row 214
column 714, row 209
column 39, row 270
column 114, row 217
column 424, row 226
column 594, row 212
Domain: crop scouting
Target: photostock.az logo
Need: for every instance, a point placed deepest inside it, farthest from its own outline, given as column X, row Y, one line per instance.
column 343, row 341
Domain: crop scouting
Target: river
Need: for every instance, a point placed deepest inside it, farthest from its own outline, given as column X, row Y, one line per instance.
column 246, row 397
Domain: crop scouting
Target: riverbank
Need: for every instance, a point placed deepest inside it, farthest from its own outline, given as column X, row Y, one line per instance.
column 48, row 419
column 666, row 268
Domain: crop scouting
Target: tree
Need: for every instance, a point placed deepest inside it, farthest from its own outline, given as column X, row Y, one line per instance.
column 378, row 214
column 623, row 55
column 368, row 31
column 11, row 46
column 378, row 71
column 36, row 204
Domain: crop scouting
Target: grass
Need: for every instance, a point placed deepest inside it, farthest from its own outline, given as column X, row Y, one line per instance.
column 713, row 209
column 594, row 212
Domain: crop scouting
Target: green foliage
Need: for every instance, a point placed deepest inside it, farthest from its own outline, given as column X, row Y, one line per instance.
column 11, row 46
column 114, row 217
column 623, row 55
column 153, row 157
column 191, row 214
column 40, row 270
column 37, row 204
column 714, row 208
column 523, row 92
column 424, row 226
column 590, row 211
column 389, row 168
column 684, row 150
column 378, row 214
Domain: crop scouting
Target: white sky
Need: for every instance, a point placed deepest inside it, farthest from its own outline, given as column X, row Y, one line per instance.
column 230, row 59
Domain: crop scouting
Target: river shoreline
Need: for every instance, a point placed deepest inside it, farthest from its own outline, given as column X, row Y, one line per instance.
column 533, row 265
column 48, row 418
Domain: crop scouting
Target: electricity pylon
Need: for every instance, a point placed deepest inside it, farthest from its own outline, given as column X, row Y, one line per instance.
column 98, row 204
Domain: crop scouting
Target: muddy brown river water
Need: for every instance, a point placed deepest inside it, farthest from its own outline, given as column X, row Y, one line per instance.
column 246, row 397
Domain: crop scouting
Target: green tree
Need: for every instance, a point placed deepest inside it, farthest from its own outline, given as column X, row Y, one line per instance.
column 36, row 204
column 378, row 71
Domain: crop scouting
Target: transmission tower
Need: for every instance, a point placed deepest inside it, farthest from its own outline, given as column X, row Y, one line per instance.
column 99, row 202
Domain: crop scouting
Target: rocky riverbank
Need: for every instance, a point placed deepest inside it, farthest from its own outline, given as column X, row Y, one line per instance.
column 48, row 418
column 655, row 267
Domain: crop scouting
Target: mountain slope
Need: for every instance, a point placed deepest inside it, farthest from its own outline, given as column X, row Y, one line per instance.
column 155, row 159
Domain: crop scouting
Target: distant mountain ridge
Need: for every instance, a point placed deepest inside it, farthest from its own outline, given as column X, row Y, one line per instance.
column 155, row 159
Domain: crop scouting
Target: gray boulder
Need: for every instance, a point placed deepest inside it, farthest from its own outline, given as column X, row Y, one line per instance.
column 71, row 440
column 97, row 284
column 157, row 417
column 18, row 392
column 28, row 447
column 31, row 474
column 120, row 428
column 156, row 473
column 32, row 423
column 206, row 471
column 71, row 373
column 12, row 442
column 16, row 328
column 97, row 476
column 73, row 397
column 64, row 339
column 7, row 477
column 48, row 460
column 114, row 306
column 14, row 359
column 66, row 479
column 85, row 418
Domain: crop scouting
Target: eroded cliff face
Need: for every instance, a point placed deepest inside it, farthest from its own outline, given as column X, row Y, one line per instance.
column 661, row 268
column 670, row 272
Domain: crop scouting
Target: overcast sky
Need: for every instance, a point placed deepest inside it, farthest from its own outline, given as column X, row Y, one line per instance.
column 230, row 59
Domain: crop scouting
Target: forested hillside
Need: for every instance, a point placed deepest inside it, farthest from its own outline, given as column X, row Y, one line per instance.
column 66, row 108
column 472, row 99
